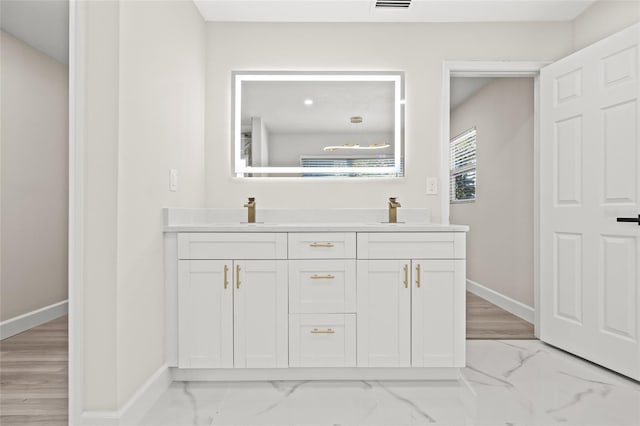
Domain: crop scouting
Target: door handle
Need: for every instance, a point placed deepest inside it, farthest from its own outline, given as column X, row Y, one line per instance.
column 406, row 276
column 629, row 219
column 418, row 282
column 226, row 277
column 237, row 276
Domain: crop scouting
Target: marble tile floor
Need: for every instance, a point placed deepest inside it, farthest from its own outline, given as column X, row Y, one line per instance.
column 509, row 383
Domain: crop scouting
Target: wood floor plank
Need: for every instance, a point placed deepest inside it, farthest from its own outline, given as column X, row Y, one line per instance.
column 487, row 321
column 34, row 374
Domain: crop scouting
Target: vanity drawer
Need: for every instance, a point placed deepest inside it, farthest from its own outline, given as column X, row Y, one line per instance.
column 221, row 245
column 321, row 245
column 411, row 245
column 322, row 286
column 322, row 340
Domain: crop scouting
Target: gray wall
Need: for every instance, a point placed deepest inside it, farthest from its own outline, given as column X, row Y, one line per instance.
column 603, row 18
column 34, row 180
column 500, row 242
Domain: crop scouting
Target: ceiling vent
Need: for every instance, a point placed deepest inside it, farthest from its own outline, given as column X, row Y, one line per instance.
column 393, row 4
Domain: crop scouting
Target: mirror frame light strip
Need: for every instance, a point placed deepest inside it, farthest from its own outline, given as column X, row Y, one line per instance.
column 239, row 170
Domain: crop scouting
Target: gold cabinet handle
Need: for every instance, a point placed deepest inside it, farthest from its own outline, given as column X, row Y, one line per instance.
column 321, row 245
column 226, row 277
column 418, row 275
column 327, row 331
column 237, row 276
column 322, row 277
column 406, row 276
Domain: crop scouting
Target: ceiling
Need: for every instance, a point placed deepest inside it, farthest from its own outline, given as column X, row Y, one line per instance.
column 365, row 10
column 281, row 106
column 43, row 25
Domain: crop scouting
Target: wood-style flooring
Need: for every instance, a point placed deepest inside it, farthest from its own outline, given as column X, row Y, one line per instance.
column 33, row 376
column 487, row 321
column 34, row 364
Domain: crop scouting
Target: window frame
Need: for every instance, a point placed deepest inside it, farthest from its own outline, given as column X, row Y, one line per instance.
column 466, row 168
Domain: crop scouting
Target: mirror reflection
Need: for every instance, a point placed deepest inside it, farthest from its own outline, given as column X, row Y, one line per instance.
column 318, row 125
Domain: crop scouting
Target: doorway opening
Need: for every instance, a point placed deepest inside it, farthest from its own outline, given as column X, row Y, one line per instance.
column 490, row 170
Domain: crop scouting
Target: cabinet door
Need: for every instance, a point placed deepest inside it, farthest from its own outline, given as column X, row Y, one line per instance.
column 205, row 316
column 260, row 314
column 384, row 313
column 438, row 316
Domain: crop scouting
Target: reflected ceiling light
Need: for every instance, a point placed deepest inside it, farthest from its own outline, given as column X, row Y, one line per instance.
column 308, row 102
column 356, row 146
column 356, row 119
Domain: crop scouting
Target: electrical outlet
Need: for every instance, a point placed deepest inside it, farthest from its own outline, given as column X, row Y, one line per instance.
column 173, row 180
column 432, row 186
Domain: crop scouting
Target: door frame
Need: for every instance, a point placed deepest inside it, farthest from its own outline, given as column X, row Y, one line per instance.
column 77, row 94
column 494, row 69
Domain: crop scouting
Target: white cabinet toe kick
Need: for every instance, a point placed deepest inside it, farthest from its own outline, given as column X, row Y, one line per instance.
column 315, row 305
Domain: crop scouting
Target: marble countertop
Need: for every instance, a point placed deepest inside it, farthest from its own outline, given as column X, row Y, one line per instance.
column 315, row 227
column 302, row 220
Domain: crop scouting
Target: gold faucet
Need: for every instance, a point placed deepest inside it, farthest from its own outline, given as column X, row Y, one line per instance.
column 393, row 210
column 251, row 212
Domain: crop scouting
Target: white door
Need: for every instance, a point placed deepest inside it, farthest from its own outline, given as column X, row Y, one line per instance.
column 205, row 314
column 260, row 320
column 437, row 311
column 590, row 176
column 384, row 313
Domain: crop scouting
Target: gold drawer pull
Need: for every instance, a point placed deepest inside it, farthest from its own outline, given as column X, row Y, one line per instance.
column 406, row 276
column 327, row 331
column 418, row 275
column 237, row 276
column 321, row 245
column 226, row 277
column 322, row 277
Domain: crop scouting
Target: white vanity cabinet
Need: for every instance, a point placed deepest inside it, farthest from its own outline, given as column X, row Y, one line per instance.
column 232, row 300
column 294, row 302
column 411, row 289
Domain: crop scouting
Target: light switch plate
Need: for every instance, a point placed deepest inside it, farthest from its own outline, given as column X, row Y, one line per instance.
column 432, row 186
column 173, row 180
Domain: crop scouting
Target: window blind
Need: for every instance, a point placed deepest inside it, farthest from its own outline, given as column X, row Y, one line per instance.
column 350, row 161
column 463, row 166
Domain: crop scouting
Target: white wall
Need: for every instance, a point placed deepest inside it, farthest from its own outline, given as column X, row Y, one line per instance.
column 34, row 179
column 162, row 77
column 259, row 142
column 603, row 18
column 500, row 240
column 145, row 115
column 416, row 49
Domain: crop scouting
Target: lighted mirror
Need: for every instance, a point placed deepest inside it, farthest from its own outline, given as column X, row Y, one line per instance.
column 318, row 124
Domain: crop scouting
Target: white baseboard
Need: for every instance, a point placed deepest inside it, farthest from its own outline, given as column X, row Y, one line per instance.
column 133, row 411
column 518, row 309
column 312, row 373
column 27, row 321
